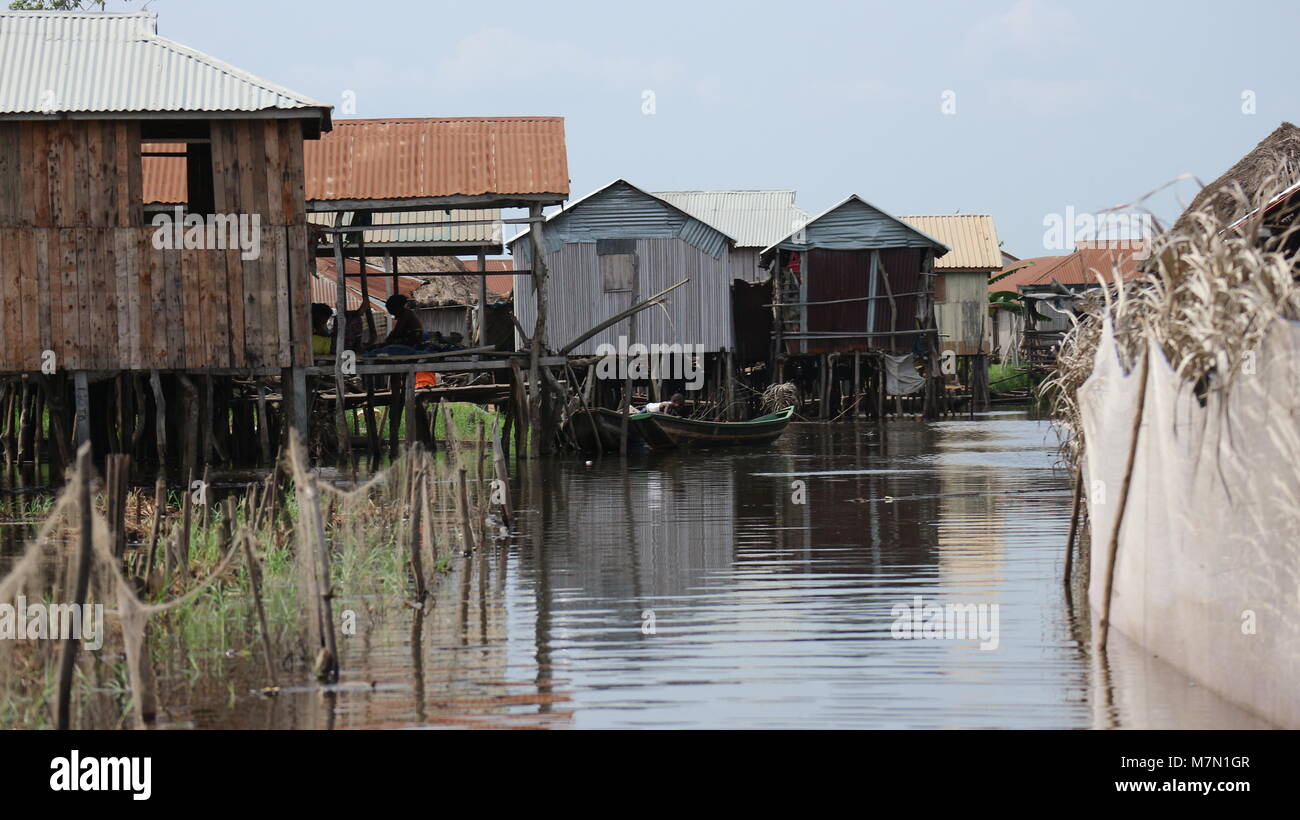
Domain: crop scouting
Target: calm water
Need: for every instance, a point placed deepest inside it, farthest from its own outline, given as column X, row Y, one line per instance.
column 766, row 612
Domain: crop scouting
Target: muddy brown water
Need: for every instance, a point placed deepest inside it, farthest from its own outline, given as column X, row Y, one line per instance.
column 745, row 589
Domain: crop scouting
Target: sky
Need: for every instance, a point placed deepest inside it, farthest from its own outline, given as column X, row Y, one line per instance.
column 1030, row 110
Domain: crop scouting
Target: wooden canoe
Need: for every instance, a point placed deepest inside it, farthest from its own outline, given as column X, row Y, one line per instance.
column 608, row 426
column 664, row 431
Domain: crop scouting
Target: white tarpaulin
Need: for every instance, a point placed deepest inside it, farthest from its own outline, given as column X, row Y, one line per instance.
column 901, row 378
column 1207, row 574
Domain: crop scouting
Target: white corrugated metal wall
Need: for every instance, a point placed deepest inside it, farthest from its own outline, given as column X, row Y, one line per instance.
column 699, row 312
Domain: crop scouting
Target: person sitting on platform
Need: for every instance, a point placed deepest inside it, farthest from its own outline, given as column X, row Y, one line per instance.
column 406, row 330
column 352, row 330
column 322, row 340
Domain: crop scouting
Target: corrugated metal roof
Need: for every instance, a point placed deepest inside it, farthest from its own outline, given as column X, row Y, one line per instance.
column 972, row 238
column 854, row 223
column 622, row 210
column 476, row 234
column 434, row 157
column 755, row 219
column 1078, row 268
column 54, row 62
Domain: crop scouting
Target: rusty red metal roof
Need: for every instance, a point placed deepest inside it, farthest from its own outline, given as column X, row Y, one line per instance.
column 413, row 159
column 1072, row 269
column 439, row 157
column 500, row 277
column 324, row 284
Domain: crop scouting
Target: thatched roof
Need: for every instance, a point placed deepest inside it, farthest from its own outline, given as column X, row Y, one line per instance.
column 452, row 287
column 1273, row 165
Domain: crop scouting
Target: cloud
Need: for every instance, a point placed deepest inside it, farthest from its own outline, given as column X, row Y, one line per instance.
column 1034, row 28
column 498, row 57
column 1028, row 98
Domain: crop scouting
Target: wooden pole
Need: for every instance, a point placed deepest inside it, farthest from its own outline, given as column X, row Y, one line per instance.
column 538, row 261
column 1074, row 521
column 365, row 293
column 502, row 475
column 412, row 429
column 68, row 658
column 857, row 381
column 340, row 392
column 81, row 392
column 482, row 299
column 1112, row 550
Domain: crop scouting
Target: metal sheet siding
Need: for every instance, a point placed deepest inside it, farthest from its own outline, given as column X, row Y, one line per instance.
column 428, row 157
column 846, row 274
column 620, row 211
column 743, row 265
column 74, row 62
column 696, row 313
column 960, row 316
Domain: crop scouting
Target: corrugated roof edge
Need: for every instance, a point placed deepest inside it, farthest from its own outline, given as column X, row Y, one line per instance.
column 150, row 33
column 841, row 204
column 575, row 203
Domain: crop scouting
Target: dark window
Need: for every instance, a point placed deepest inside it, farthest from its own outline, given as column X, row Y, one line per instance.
column 176, row 158
column 617, row 262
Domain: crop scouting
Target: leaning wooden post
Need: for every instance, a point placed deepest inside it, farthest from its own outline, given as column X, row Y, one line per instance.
column 318, row 549
column 159, row 505
column 255, row 581
column 1112, row 550
column 68, row 659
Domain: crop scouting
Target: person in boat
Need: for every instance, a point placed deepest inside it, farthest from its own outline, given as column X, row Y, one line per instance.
column 675, row 406
column 322, row 340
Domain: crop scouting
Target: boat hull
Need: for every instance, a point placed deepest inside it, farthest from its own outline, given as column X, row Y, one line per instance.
column 663, row 431
column 608, row 430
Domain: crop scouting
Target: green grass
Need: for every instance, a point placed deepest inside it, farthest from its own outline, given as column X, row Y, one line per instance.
column 1015, row 378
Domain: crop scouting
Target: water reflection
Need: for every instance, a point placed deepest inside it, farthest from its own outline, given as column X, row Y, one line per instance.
column 771, row 577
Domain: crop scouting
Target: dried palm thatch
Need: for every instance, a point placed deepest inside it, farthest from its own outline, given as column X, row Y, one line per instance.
column 1206, row 299
column 780, row 396
column 1277, row 157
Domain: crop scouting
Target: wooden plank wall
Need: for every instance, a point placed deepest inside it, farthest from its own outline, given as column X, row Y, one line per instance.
column 79, row 273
